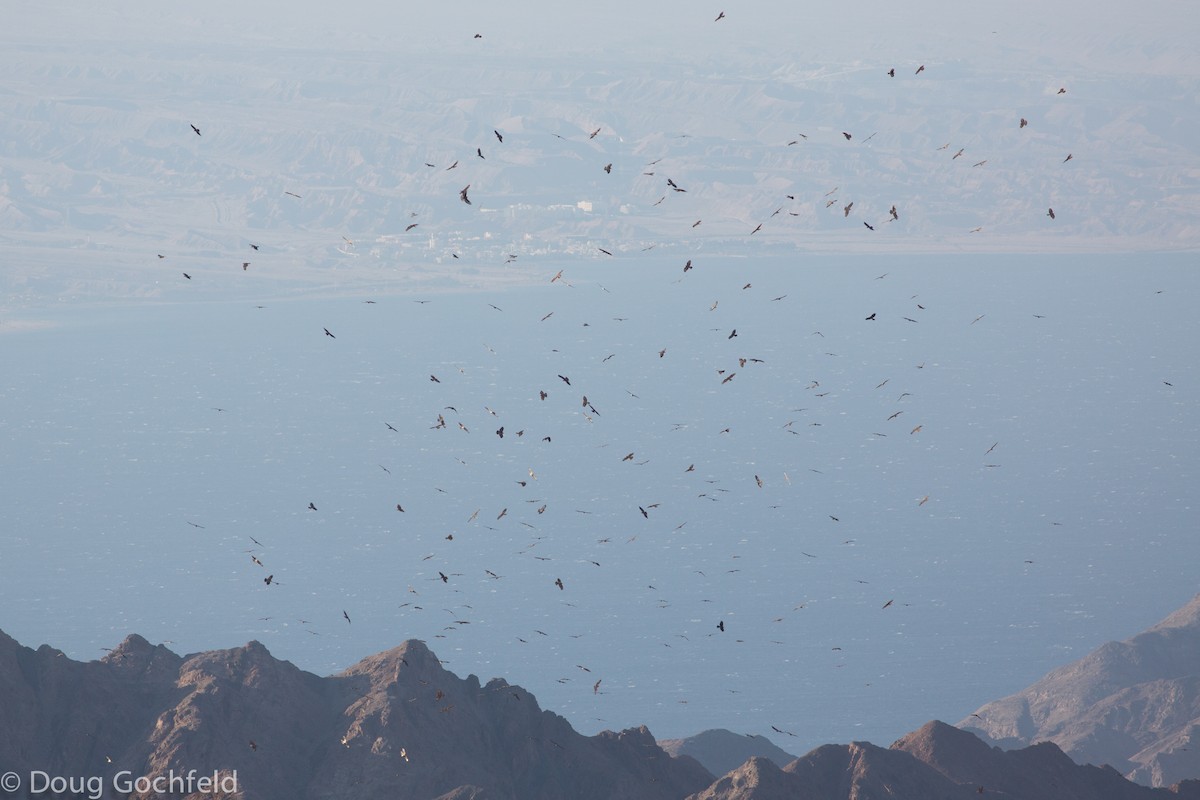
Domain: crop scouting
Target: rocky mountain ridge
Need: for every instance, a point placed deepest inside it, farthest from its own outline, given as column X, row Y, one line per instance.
column 394, row 725
column 398, row 725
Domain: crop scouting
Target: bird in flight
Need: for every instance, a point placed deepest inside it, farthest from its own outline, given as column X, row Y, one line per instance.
column 720, row 17
column 892, row 72
column 498, row 136
column 594, row 134
column 462, row 194
column 1050, row 213
column 330, row 335
column 558, row 582
column 920, row 69
column 197, row 130
column 1024, row 122
column 347, row 616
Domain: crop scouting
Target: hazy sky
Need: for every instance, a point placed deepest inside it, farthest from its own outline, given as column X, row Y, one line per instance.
column 925, row 30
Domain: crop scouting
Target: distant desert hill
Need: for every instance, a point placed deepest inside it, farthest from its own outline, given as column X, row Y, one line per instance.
column 396, row 725
column 1134, row 705
column 935, row 762
column 721, row 750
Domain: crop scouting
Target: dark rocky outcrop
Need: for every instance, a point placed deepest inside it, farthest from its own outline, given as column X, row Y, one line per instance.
column 396, row 725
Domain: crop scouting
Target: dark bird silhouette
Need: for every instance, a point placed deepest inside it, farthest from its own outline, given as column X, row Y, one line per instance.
column 479, row 152
column 565, row 379
column 197, row 130
column 893, row 213
column 189, row 277
column 1050, row 213
column 498, row 136
column 608, row 168
column 269, row 579
column 253, row 745
column 846, row 209
column 602, row 250
column 720, row 17
column 1062, row 90
column 920, row 69
column 293, row 194
column 1024, row 122
column 732, row 334
column 721, row 626
column 872, row 317
column 347, row 617
column 462, row 194
column 594, row 134
column 452, row 166
column 500, row 431
column 870, row 227
column 327, row 333
column 478, row 36
column 892, row 72
column 688, row 265
column 558, row 582
column 254, row 246
column 1068, row 158
column 411, row 226
column 434, row 379
column 312, row 507
column 644, row 512
column 245, row 266
column 757, row 229
column 445, row 578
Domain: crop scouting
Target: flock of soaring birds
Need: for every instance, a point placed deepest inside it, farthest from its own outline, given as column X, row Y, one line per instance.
column 586, row 405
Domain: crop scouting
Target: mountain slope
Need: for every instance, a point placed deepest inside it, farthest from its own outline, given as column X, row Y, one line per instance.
column 1133, row 704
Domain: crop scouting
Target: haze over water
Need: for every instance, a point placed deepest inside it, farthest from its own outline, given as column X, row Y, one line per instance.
column 116, row 444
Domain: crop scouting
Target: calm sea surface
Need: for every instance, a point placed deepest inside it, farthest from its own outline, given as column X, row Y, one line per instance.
column 1006, row 453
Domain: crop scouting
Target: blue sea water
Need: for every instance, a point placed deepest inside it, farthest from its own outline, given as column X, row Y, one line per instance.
column 149, row 451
